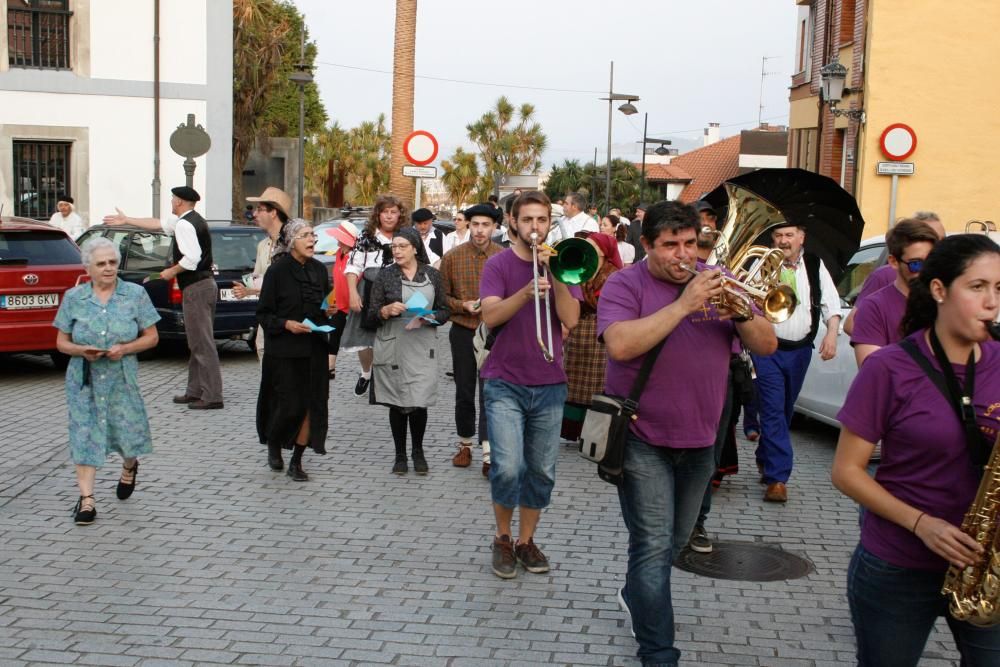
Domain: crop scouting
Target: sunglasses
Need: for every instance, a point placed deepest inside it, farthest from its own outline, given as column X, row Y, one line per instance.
column 914, row 265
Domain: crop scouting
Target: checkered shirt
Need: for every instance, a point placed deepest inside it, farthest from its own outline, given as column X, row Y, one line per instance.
column 461, row 269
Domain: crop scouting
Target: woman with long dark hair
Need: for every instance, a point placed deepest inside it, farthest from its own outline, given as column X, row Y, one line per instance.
column 371, row 254
column 930, row 399
column 405, row 376
column 292, row 408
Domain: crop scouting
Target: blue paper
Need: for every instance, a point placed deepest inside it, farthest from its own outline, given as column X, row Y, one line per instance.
column 325, row 328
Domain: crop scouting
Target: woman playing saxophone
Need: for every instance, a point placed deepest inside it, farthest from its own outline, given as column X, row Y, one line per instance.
column 932, row 455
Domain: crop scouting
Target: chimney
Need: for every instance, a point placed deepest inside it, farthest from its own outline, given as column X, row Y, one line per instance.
column 711, row 134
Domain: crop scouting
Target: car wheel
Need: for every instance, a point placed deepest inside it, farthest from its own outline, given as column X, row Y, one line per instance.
column 59, row 360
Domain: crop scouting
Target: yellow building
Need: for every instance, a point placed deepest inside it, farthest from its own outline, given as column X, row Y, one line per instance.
column 924, row 63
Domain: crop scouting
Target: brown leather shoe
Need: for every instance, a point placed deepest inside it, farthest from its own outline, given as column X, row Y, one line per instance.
column 205, row 405
column 463, row 459
column 776, row 493
column 486, row 469
column 184, row 399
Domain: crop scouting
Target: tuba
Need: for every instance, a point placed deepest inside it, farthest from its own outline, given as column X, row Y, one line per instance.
column 974, row 592
column 756, row 269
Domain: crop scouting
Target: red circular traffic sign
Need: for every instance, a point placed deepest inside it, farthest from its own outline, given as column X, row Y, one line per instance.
column 898, row 141
column 420, row 148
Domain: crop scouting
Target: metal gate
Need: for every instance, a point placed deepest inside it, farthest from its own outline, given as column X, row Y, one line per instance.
column 41, row 174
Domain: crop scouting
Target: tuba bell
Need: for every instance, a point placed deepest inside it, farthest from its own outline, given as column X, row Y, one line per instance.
column 756, row 269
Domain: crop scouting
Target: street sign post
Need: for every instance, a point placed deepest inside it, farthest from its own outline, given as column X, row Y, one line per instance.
column 898, row 141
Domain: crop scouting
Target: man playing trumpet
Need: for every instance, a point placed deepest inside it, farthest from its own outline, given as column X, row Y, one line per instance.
column 669, row 455
column 525, row 386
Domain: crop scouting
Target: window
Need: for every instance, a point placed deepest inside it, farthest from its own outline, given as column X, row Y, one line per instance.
column 38, row 33
column 233, row 251
column 864, row 261
column 38, row 248
column 148, row 252
column 41, row 174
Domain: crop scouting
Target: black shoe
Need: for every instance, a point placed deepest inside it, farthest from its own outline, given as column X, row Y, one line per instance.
column 274, row 459
column 125, row 490
column 399, row 467
column 419, row 463
column 296, row 472
column 361, row 388
column 84, row 516
column 700, row 542
column 206, row 405
column 504, row 560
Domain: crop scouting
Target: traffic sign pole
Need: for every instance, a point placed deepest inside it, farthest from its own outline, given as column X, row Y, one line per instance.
column 892, row 200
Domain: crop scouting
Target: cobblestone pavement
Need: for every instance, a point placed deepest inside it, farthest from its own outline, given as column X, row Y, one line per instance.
column 215, row 559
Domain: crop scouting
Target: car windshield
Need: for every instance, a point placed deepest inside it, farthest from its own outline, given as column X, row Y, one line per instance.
column 234, row 252
column 37, row 248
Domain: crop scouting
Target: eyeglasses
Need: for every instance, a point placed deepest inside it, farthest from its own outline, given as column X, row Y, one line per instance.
column 914, row 265
column 263, row 208
column 400, row 246
column 305, row 235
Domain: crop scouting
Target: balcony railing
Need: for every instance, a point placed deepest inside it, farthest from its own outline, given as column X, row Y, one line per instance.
column 38, row 38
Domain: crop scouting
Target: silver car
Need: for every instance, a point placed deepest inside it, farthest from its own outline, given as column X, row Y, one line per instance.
column 827, row 382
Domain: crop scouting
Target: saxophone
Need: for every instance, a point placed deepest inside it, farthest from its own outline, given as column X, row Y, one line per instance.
column 974, row 592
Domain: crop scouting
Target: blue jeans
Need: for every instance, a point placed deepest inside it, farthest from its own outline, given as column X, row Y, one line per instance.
column 720, row 441
column 660, row 497
column 779, row 381
column 894, row 608
column 523, row 423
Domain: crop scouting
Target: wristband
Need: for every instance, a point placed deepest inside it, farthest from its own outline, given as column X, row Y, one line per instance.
column 915, row 523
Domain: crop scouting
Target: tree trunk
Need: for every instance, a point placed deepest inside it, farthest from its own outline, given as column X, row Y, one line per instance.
column 402, row 96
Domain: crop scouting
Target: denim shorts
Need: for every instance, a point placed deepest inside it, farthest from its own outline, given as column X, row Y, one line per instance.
column 523, row 423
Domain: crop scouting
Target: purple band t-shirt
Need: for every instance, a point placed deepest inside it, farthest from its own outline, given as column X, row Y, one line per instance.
column 516, row 356
column 878, row 317
column 682, row 401
column 925, row 458
column 876, row 280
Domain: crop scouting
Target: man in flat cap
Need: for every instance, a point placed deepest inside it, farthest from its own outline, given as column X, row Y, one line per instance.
column 423, row 221
column 66, row 218
column 192, row 268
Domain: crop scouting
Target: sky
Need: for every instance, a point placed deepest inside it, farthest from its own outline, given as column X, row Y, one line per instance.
column 690, row 62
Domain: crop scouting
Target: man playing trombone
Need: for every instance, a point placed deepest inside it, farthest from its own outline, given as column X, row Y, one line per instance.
column 525, row 386
column 669, row 455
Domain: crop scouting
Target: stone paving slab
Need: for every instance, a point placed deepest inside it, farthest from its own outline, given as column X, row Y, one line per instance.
column 218, row 560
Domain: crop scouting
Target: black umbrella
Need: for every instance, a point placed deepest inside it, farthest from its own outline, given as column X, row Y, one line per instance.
column 827, row 211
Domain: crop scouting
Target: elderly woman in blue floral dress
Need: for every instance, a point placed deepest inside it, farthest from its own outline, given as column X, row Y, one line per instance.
column 103, row 325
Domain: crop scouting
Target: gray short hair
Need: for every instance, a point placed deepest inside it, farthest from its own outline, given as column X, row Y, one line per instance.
column 923, row 216
column 578, row 200
column 95, row 244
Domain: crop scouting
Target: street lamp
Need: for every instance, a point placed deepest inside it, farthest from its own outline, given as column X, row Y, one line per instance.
column 661, row 150
column 833, row 76
column 302, row 76
column 628, row 109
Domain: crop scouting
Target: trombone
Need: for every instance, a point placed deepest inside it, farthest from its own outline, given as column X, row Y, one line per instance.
column 575, row 262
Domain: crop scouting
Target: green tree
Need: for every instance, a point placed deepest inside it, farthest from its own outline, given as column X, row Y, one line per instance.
column 569, row 177
column 509, row 142
column 327, row 158
column 266, row 45
column 460, row 175
column 368, row 164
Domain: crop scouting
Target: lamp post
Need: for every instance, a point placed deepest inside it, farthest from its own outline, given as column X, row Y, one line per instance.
column 833, row 76
column 301, row 77
column 628, row 109
column 661, row 150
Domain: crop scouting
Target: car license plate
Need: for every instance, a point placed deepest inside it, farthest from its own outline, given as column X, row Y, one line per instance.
column 24, row 301
column 229, row 295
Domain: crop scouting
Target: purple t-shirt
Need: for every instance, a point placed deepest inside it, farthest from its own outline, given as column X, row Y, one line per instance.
column 876, row 280
column 925, row 458
column 516, row 355
column 682, row 401
column 878, row 318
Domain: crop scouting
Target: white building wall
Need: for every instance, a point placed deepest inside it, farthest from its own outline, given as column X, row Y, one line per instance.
column 762, row 161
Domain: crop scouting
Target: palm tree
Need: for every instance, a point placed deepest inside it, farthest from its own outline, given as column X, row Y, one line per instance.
column 460, row 175
column 370, row 145
column 509, row 141
column 327, row 155
column 570, row 177
column 402, row 95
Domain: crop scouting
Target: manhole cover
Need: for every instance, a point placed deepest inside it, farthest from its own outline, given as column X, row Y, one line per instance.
column 744, row 562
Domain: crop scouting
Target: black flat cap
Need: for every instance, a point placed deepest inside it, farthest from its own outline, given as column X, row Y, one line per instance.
column 702, row 205
column 488, row 210
column 66, row 198
column 422, row 215
column 186, row 193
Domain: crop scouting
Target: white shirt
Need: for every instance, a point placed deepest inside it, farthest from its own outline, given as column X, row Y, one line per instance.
column 451, row 240
column 796, row 327
column 361, row 260
column 581, row 222
column 627, row 252
column 72, row 224
column 432, row 256
column 187, row 240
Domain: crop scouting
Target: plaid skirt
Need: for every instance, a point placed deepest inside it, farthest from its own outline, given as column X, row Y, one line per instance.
column 585, row 359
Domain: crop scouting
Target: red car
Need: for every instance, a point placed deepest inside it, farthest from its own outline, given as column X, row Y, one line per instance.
column 38, row 263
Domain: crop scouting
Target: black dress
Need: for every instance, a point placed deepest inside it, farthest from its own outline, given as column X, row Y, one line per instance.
column 294, row 377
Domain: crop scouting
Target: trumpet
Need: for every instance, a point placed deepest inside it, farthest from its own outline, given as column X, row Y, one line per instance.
column 777, row 303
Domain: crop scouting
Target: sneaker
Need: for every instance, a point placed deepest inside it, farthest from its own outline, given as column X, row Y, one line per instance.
column 361, row 388
column 624, row 608
column 504, row 561
column 531, row 557
column 700, row 541
column 462, row 459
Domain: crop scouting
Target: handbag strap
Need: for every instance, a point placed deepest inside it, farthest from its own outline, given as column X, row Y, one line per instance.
column 959, row 398
column 631, row 405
